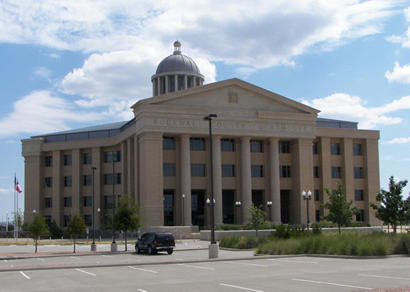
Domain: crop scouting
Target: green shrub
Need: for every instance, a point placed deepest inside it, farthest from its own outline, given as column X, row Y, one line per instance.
column 242, row 242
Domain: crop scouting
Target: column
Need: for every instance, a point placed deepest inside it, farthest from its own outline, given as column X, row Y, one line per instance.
column 57, row 190
column 158, row 86
column 151, row 183
column 166, row 84
column 372, row 180
column 348, row 185
column 246, row 179
column 326, row 179
column 186, row 178
column 185, row 82
column 274, row 179
column 130, row 167
column 76, row 182
column 136, row 171
column 97, row 163
column 33, row 183
column 217, row 176
column 124, row 169
column 153, row 87
column 176, row 82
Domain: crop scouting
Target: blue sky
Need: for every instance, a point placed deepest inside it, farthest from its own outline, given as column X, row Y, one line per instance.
column 68, row 64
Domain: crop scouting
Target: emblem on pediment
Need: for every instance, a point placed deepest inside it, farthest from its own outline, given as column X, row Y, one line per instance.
column 232, row 97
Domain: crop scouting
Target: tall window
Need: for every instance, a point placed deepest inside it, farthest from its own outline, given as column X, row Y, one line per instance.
column 358, row 172
column 48, row 202
column 257, row 170
column 67, row 159
column 68, row 181
column 357, row 149
column 335, row 149
column 358, row 195
column 284, row 147
column 108, row 179
column 68, row 202
column 336, row 172
column 88, row 220
column 197, row 144
column 108, row 202
column 87, row 158
column 168, row 169
column 109, row 156
column 316, row 171
column 256, row 146
column 198, row 169
column 360, row 216
column 317, row 195
column 87, row 180
column 228, row 170
column 315, row 148
column 168, row 143
column 48, row 161
column 317, row 215
column 66, row 220
column 48, row 182
column 227, row 145
column 87, row 201
column 284, row 171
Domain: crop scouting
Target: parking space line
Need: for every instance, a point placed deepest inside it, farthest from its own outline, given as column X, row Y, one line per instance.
column 5, row 261
column 385, row 277
column 239, row 287
column 247, row 264
column 197, row 267
column 140, row 290
column 332, row 284
column 40, row 259
column 144, row 270
column 293, row 261
column 85, row 272
column 24, row 275
column 76, row 258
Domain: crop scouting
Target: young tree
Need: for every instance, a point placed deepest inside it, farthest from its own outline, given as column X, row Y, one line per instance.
column 340, row 211
column 256, row 217
column 76, row 227
column 37, row 228
column 126, row 217
column 390, row 207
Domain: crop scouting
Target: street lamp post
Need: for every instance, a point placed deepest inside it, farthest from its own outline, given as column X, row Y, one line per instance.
column 238, row 204
column 307, row 196
column 183, row 209
column 113, row 244
column 269, row 204
column 213, row 247
column 93, row 245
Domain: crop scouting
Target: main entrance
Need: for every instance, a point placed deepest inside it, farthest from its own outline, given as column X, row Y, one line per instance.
column 228, row 203
column 257, row 199
column 198, row 207
column 285, row 206
column 169, row 207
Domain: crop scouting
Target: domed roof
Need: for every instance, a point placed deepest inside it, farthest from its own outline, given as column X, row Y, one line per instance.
column 178, row 63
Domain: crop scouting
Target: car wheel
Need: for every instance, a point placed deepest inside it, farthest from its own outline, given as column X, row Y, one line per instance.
column 169, row 251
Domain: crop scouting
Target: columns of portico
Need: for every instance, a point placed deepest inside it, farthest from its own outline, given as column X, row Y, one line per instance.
column 176, row 82
column 217, row 176
column 185, row 82
column 186, row 178
column 246, row 179
column 166, row 84
column 274, row 179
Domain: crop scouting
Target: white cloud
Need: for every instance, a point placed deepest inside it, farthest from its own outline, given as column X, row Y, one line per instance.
column 401, row 140
column 399, row 74
column 403, row 39
column 42, row 72
column 6, row 191
column 347, row 107
column 407, row 13
column 41, row 112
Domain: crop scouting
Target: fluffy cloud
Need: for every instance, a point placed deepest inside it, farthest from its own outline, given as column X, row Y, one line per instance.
column 346, row 107
column 401, row 140
column 399, row 74
column 41, row 112
column 403, row 39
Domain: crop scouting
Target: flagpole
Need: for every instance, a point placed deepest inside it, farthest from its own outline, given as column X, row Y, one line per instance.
column 17, row 209
column 15, row 213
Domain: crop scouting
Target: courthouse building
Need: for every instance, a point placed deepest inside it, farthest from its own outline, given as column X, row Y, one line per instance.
column 266, row 148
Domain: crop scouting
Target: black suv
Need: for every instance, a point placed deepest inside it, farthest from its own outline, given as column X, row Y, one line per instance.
column 152, row 242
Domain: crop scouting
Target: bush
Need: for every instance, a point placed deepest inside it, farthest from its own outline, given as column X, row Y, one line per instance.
column 242, row 242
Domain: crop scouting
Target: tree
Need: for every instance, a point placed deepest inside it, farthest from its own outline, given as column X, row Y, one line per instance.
column 55, row 231
column 76, row 227
column 256, row 217
column 340, row 211
column 390, row 207
column 126, row 217
column 37, row 228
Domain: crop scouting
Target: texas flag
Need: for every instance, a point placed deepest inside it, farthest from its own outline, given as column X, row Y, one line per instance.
column 17, row 186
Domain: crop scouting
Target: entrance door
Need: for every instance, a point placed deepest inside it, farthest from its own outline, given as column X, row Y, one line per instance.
column 169, row 207
column 285, row 206
column 198, row 207
column 228, row 203
column 257, row 199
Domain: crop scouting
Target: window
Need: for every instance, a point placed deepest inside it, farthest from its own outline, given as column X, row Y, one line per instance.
column 68, row 202
column 168, row 143
column 315, row 148
column 66, row 220
column 284, row 147
column 228, row 170
column 47, row 219
column 316, row 171
column 358, row 172
column 335, row 148
column 317, row 195
column 198, row 170
column 357, row 149
column 48, row 161
column 48, row 182
column 67, row 159
column 257, row 170
column 109, row 181
column 88, row 220
column 227, row 145
column 108, row 202
column 87, row 201
column 87, row 180
column 284, row 170
column 87, row 158
column 257, row 146
column 197, row 144
column 336, row 172
column 360, row 216
column 168, row 169
column 68, row 181
column 110, row 156
column 48, row 202
column 358, row 195
column 317, row 215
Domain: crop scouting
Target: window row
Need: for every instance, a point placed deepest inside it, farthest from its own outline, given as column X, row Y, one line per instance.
column 87, row 180
column 86, row 201
column 336, row 149
column 87, row 220
column 86, row 158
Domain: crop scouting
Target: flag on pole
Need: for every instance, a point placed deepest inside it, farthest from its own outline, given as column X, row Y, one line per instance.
column 17, row 185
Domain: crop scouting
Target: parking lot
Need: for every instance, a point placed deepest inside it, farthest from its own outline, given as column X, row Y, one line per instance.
column 130, row 272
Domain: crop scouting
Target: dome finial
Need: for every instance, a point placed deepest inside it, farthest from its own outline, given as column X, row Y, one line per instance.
column 177, row 48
